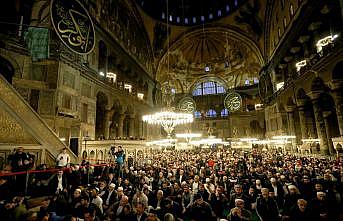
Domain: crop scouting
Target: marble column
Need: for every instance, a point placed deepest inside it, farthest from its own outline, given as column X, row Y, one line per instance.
column 140, row 127
column 320, row 126
column 107, row 124
column 337, row 96
column 132, row 126
column 302, row 122
column 326, row 115
column 121, row 125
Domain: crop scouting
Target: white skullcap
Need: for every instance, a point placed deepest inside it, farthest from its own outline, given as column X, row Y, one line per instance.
column 120, row 188
column 112, row 185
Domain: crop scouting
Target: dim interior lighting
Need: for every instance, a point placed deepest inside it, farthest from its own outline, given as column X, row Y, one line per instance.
column 128, row 87
column 207, row 68
column 310, row 140
column 207, row 141
column 112, row 76
column 248, row 139
column 140, row 96
column 163, row 142
column 325, row 41
column 101, row 73
column 188, row 135
column 63, row 139
column 284, row 137
column 258, row 106
column 168, row 119
column 300, row 64
column 279, row 85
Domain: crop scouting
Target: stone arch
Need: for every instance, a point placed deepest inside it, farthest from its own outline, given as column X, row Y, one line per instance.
column 100, row 155
column 337, row 72
column 317, row 84
column 84, row 154
column 290, row 101
column 301, row 94
column 102, row 57
column 206, row 79
column 116, row 112
column 101, row 105
column 6, row 69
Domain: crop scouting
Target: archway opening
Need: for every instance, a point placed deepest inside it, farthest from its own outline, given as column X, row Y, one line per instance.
column 101, row 103
column 6, row 69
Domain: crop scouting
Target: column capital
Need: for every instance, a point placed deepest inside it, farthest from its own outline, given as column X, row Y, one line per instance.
column 314, row 95
column 326, row 114
column 290, row 108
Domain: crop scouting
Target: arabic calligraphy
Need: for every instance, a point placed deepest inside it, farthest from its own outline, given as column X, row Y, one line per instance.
column 233, row 101
column 187, row 104
column 73, row 25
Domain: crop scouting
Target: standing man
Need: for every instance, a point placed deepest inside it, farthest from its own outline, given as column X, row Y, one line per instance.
column 63, row 159
column 120, row 160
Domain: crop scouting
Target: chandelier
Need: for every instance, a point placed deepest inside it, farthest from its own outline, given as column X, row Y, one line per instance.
column 168, row 119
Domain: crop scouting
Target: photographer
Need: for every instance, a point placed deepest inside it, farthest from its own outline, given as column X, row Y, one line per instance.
column 63, row 159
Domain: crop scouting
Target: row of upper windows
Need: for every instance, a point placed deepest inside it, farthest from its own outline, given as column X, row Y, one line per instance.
column 212, row 113
column 212, row 87
column 189, row 20
column 285, row 23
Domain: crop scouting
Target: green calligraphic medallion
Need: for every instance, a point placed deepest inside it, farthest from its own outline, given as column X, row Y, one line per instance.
column 73, row 25
column 233, row 101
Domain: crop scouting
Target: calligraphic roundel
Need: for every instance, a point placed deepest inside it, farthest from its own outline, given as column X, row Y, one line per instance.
column 233, row 101
column 73, row 25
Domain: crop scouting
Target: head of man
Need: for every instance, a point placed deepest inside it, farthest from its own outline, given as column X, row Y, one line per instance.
column 292, row 189
column 159, row 194
column 321, row 196
column 111, row 187
column 302, row 204
column 120, row 191
column 84, row 201
column 140, row 208
column 89, row 215
column 20, row 150
column 77, row 193
column 64, row 150
column 198, row 199
column 265, row 192
column 238, row 189
column 239, row 203
column 124, row 200
column 318, row 187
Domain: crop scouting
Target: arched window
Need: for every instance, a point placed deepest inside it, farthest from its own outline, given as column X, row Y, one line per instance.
column 284, row 22
column 291, row 10
column 211, row 113
column 197, row 114
column 209, row 87
column 256, row 81
column 224, row 113
column 247, row 82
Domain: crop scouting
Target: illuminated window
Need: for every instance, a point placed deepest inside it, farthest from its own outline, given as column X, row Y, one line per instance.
column 197, row 114
column 279, row 32
column 291, row 10
column 256, row 81
column 247, row 82
column 211, row 113
column 219, row 13
column 227, row 8
column 224, row 113
column 209, row 87
column 284, row 22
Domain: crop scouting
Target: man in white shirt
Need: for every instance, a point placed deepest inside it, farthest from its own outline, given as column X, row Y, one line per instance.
column 96, row 199
column 63, row 159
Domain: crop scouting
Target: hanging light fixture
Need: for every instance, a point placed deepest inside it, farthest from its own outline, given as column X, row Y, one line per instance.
column 167, row 117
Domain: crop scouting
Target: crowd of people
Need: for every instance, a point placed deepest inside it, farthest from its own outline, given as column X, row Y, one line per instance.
column 194, row 185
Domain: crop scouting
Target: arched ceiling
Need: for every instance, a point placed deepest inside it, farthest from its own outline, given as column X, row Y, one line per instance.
column 230, row 55
column 189, row 12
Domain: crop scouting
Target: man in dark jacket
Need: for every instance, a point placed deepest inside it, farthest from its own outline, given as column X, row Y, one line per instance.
column 266, row 207
column 200, row 210
column 302, row 212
